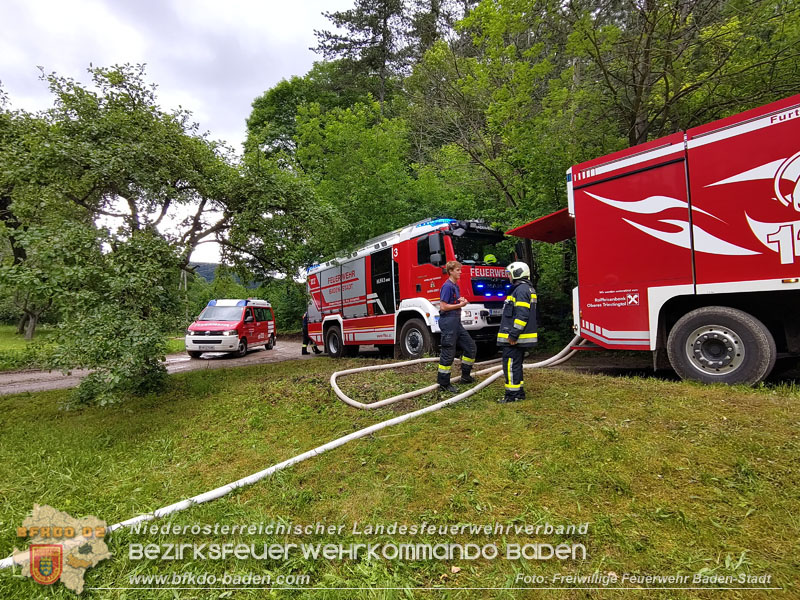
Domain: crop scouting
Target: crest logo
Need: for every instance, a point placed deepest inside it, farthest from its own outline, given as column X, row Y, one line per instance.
column 46, row 562
column 789, row 172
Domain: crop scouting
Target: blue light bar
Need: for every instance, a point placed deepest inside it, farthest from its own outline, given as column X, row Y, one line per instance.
column 489, row 295
column 435, row 222
column 478, row 285
column 241, row 303
column 212, row 302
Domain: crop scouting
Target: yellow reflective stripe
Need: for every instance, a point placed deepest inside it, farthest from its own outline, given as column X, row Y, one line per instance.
column 525, row 304
column 533, row 296
column 527, row 336
column 513, row 386
column 502, row 335
column 511, row 298
column 467, row 359
column 520, row 323
column 443, row 368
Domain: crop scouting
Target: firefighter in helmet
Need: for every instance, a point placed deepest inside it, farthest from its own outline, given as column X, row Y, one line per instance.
column 517, row 328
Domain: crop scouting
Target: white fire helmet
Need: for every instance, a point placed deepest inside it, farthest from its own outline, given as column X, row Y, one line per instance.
column 518, row 270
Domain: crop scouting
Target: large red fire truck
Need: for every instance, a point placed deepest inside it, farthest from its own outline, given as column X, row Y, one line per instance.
column 386, row 293
column 690, row 244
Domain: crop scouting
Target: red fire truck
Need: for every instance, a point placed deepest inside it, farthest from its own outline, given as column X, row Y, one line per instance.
column 387, row 292
column 689, row 244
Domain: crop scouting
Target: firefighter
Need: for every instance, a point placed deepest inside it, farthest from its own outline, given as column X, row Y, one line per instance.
column 517, row 328
column 453, row 333
column 306, row 339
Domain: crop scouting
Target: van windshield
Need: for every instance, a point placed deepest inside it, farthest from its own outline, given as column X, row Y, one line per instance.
column 221, row 313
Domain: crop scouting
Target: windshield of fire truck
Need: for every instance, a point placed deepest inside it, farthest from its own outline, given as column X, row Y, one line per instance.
column 475, row 249
column 221, row 313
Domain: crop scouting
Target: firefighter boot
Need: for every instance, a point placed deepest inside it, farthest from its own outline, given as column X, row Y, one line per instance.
column 511, row 397
column 305, row 350
column 317, row 350
column 466, row 377
column 443, row 379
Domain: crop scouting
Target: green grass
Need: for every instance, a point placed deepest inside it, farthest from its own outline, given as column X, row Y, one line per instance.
column 10, row 340
column 175, row 345
column 671, row 477
column 16, row 353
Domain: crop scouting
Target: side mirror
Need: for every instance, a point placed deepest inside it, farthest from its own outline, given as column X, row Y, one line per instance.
column 435, row 243
column 248, row 319
column 436, row 259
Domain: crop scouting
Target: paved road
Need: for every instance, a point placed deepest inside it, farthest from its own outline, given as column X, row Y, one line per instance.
column 14, row 382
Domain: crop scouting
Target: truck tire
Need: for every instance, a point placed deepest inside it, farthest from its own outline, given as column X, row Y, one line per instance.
column 242, row 349
column 194, row 353
column 334, row 345
column 719, row 344
column 415, row 339
column 270, row 343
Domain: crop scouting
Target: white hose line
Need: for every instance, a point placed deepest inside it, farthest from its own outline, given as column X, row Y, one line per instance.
column 557, row 359
column 250, row 479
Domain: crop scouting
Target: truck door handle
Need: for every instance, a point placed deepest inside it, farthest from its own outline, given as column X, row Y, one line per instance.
column 419, row 288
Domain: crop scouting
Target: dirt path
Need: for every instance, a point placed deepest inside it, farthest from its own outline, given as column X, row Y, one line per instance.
column 15, row 382
column 626, row 364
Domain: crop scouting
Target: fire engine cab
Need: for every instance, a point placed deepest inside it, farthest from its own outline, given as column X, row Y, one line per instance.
column 386, row 292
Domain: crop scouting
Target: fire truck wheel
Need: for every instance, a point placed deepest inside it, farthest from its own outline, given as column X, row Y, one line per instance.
column 242, row 349
column 334, row 345
column 415, row 339
column 194, row 353
column 270, row 343
column 718, row 344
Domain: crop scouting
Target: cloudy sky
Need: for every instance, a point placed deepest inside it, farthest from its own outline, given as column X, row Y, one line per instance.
column 212, row 57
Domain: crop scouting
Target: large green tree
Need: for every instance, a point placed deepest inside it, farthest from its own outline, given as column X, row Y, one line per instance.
column 371, row 41
column 87, row 189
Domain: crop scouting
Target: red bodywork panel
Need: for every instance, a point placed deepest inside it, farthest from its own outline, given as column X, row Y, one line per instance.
column 712, row 209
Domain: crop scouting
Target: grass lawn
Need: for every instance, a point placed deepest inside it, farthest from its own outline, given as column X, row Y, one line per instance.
column 16, row 353
column 672, row 478
column 10, row 340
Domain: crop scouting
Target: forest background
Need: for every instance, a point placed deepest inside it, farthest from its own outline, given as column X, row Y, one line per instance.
column 417, row 108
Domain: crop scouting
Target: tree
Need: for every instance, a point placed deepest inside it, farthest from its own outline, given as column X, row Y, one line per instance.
column 271, row 126
column 371, row 43
column 109, row 153
column 663, row 66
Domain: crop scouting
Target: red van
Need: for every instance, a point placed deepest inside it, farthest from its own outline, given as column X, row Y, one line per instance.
column 232, row 326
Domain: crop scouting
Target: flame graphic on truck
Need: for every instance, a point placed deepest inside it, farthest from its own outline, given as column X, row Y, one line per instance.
column 703, row 240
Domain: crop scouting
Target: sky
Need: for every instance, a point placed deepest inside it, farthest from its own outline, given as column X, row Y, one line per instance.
column 211, row 57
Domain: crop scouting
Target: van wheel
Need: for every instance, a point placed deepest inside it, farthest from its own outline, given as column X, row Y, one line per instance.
column 415, row 339
column 270, row 343
column 334, row 345
column 194, row 353
column 242, row 349
column 719, row 344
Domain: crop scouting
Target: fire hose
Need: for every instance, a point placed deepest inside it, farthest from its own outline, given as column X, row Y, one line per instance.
column 219, row 492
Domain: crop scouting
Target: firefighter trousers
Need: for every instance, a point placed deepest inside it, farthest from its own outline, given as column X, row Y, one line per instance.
column 454, row 337
column 512, row 372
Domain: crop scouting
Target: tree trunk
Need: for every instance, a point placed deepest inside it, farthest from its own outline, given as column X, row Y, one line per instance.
column 33, row 319
column 21, row 323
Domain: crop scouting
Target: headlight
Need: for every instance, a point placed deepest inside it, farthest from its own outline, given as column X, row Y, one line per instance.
column 229, row 332
column 189, row 332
